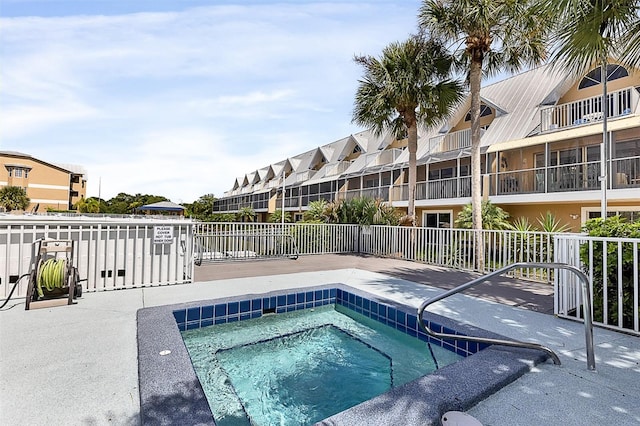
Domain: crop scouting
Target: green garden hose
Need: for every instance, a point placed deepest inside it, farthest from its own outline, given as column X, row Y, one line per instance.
column 51, row 275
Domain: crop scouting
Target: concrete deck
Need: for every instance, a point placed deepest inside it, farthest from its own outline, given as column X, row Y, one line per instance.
column 77, row 365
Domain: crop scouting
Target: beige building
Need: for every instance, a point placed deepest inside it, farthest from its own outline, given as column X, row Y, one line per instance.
column 541, row 148
column 49, row 186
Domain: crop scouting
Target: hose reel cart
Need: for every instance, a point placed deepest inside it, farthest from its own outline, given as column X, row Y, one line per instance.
column 53, row 280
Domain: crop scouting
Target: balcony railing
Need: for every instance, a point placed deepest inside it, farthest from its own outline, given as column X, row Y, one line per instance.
column 451, row 141
column 589, row 110
column 624, row 173
column 434, row 189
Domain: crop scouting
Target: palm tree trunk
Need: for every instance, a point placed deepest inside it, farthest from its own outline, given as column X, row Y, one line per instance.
column 412, row 146
column 475, row 76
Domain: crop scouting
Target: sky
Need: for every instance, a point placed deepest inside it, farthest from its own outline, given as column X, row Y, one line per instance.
column 178, row 98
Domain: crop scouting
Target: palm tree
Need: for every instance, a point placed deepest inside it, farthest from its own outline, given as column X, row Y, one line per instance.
column 590, row 32
column 406, row 87
column 488, row 36
column 246, row 214
column 14, row 198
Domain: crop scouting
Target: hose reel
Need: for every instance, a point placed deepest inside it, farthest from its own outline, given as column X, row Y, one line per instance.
column 53, row 275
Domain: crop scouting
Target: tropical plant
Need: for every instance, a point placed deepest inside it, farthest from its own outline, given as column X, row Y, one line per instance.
column 616, row 257
column 589, row 33
column 550, row 223
column 367, row 211
column 493, row 217
column 316, row 211
column 522, row 224
column 246, row 214
column 488, row 36
column 407, row 86
column 276, row 216
column 202, row 208
column 88, row 205
column 14, row 198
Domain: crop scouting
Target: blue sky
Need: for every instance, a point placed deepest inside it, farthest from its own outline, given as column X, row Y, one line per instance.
column 177, row 98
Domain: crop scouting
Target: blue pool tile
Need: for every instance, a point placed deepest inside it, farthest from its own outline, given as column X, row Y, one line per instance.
column 473, row 347
column 412, row 322
column 245, row 306
column 256, row 304
column 332, row 292
column 401, row 318
column 374, row 308
column 206, row 322
column 337, row 293
column 359, row 301
column 358, row 309
column 221, row 310
column 180, row 316
column 282, row 300
column 256, row 314
column 280, row 309
column 220, row 321
column 193, row 314
column 291, row 308
column 308, row 296
column 448, row 346
column 446, row 330
column 391, row 314
column 325, row 294
column 401, row 328
column 462, row 352
column 435, row 327
column 245, row 317
column 193, row 325
column 182, row 326
column 309, row 305
column 382, row 310
column 299, row 297
column 317, row 295
column 423, row 337
column 366, row 304
column 411, row 332
column 233, row 308
column 291, row 299
column 207, row 312
column 233, row 319
column 352, row 298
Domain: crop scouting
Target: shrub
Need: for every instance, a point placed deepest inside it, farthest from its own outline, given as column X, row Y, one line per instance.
column 612, row 227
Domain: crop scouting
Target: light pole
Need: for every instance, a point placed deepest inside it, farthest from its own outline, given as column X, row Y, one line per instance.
column 283, row 195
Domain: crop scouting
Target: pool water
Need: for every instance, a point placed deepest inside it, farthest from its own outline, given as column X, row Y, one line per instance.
column 301, row 367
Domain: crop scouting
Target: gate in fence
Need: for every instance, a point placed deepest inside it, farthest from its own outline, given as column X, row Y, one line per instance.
column 613, row 268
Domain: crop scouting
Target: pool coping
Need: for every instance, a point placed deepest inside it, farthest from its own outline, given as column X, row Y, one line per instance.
column 170, row 392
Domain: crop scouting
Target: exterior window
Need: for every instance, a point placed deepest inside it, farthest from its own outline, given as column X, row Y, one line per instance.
column 594, row 77
column 356, row 150
column 484, row 111
column 18, row 173
column 437, row 219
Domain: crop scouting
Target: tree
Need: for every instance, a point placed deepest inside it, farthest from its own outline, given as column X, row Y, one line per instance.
column 202, row 208
column 493, row 217
column 488, row 36
column 589, row 33
column 316, row 211
column 276, row 216
column 14, row 198
column 88, row 205
column 246, row 214
column 406, row 87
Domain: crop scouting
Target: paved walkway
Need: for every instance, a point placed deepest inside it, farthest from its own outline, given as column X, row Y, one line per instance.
column 526, row 294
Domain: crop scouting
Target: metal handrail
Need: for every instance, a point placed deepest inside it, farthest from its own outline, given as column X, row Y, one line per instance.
column 586, row 295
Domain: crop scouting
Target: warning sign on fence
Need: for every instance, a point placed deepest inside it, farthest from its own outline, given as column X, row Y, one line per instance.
column 162, row 234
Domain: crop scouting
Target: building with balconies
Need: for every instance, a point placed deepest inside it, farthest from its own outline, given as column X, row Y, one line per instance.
column 541, row 147
column 48, row 185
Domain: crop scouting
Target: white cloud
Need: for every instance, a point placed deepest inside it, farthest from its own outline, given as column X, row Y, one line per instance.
column 180, row 103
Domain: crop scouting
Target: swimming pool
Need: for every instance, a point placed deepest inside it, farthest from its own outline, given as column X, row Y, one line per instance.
column 171, row 392
column 304, row 365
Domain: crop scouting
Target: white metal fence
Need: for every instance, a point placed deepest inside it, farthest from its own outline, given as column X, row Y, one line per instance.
column 454, row 248
column 233, row 241
column 109, row 254
column 613, row 268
